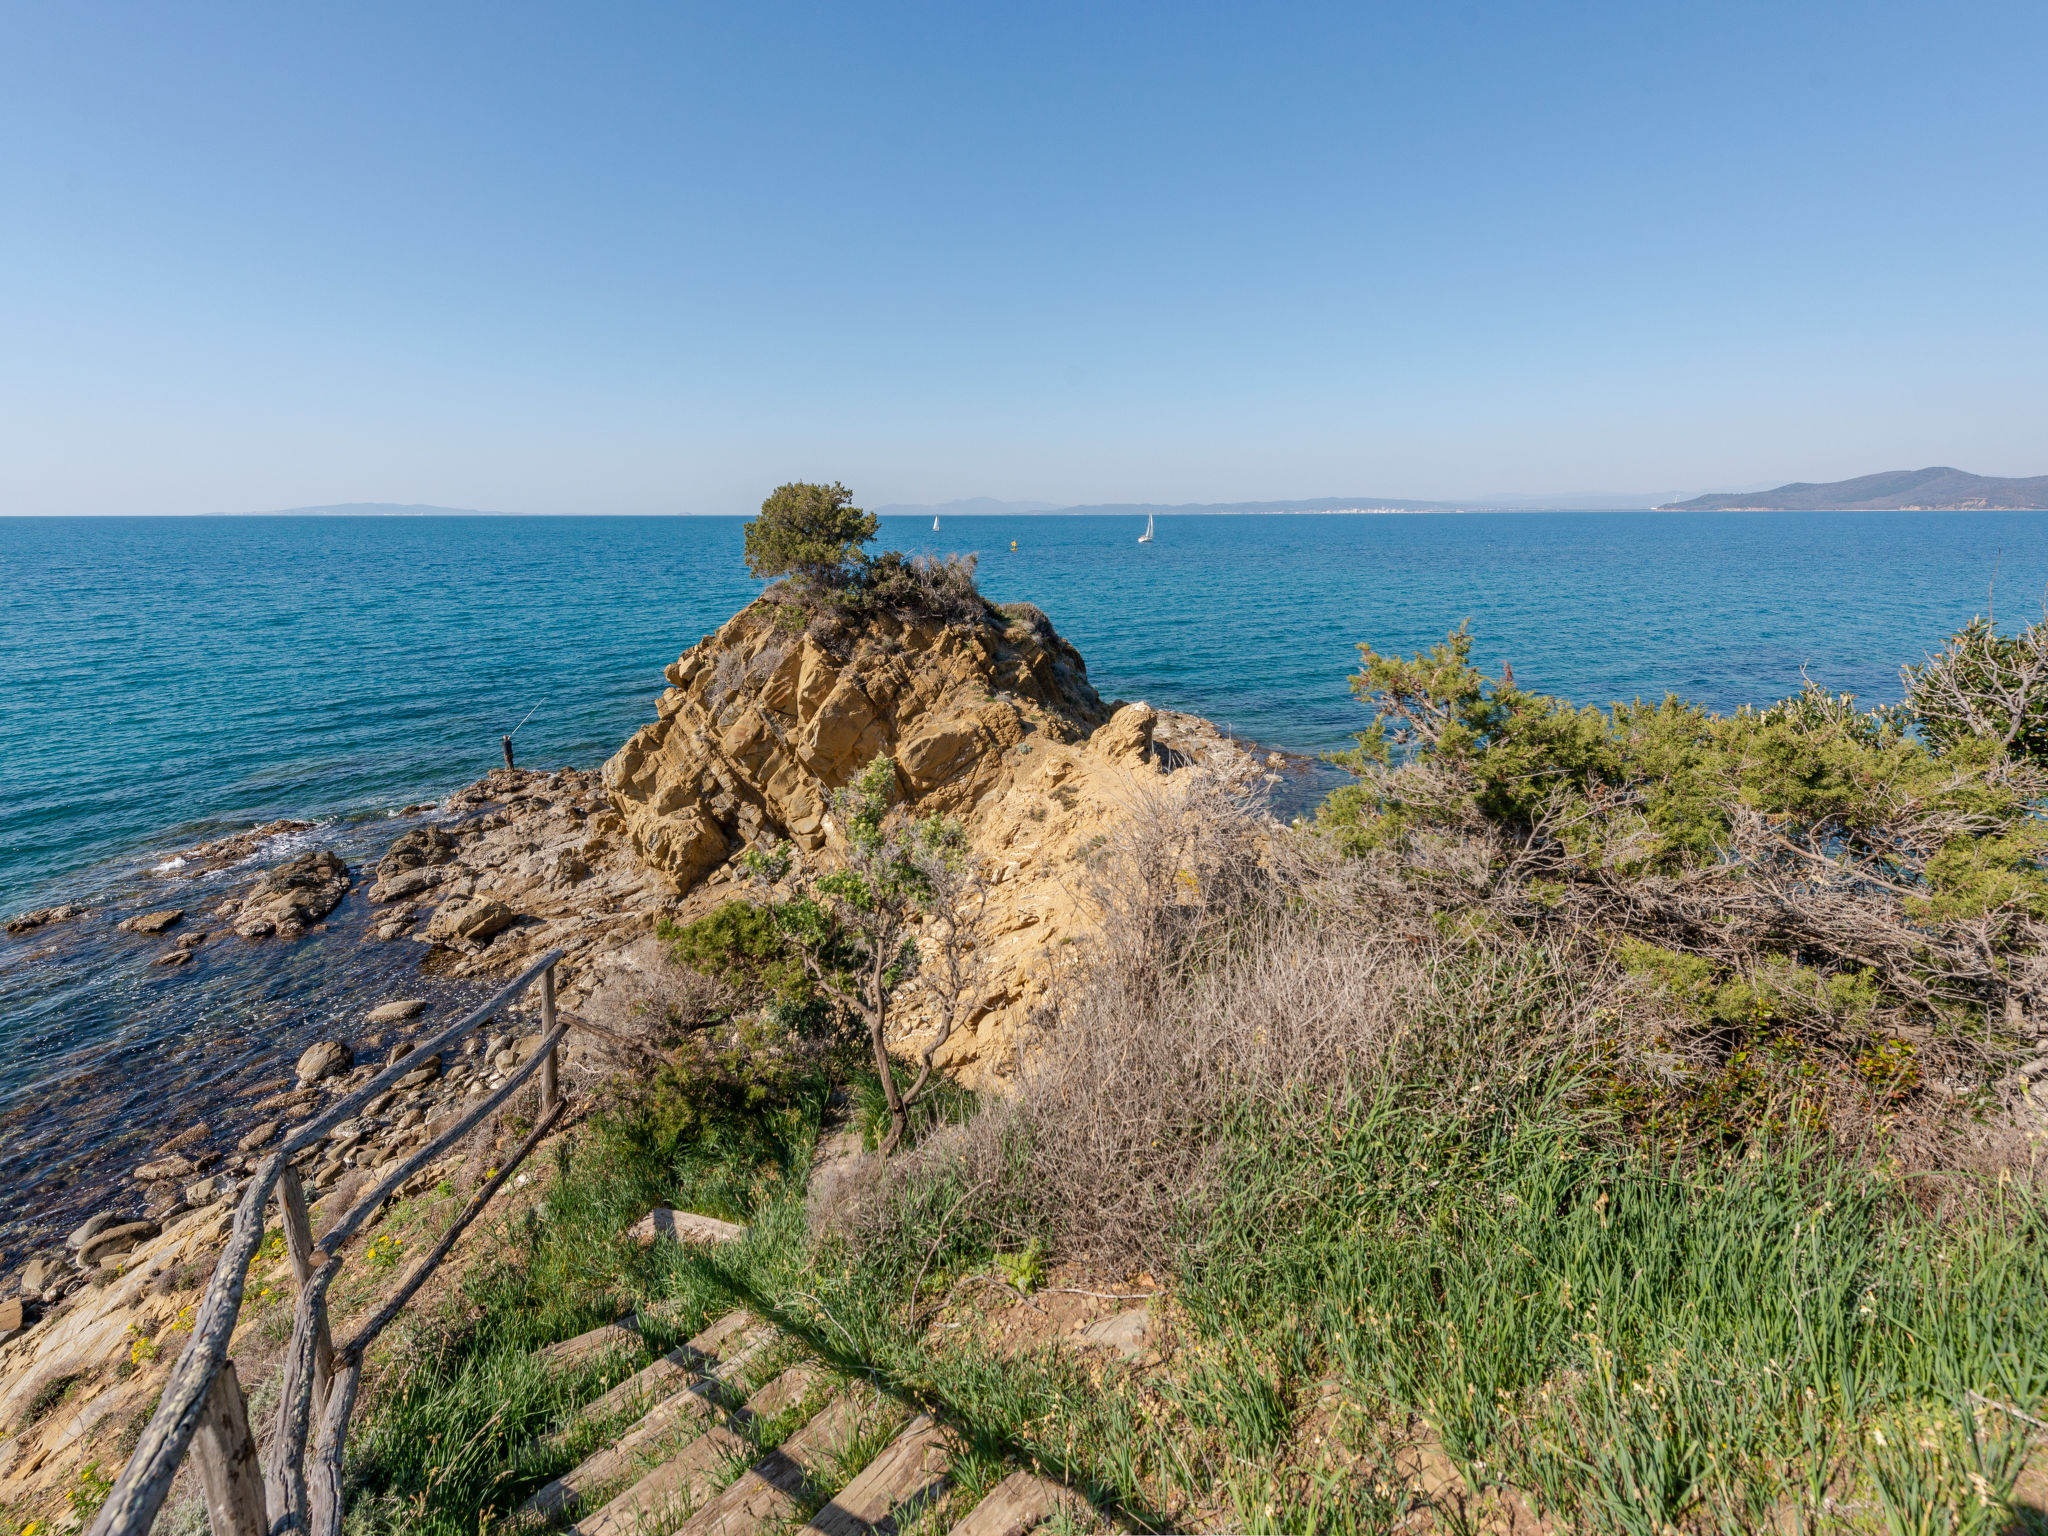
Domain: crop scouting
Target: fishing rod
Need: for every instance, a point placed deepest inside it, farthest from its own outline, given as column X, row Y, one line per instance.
column 528, row 716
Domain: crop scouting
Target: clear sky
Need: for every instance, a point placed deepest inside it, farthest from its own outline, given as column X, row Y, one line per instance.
column 658, row 258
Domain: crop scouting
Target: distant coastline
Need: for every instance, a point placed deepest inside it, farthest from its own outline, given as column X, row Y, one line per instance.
column 1938, row 488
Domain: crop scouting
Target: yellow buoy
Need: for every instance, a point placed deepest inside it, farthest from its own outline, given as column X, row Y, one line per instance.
column 1013, row 543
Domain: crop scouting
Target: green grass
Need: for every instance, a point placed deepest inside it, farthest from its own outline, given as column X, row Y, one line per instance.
column 1627, row 1344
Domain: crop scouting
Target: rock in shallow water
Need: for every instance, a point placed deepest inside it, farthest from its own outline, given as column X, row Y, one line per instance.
column 293, row 896
column 420, row 848
column 393, row 1013
column 323, row 1061
column 45, row 915
column 152, row 922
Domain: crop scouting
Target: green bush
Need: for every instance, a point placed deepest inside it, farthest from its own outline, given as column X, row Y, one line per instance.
column 812, row 533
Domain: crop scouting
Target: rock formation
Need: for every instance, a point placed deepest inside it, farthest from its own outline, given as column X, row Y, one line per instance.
column 763, row 719
column 291, row 896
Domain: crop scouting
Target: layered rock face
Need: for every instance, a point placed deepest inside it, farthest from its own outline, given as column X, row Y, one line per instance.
column 762, row 721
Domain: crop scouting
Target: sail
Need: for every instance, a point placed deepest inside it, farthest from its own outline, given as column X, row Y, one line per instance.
column 1146, row 536
column 935, row 525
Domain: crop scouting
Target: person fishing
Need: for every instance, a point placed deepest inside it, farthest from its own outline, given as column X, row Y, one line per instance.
column 505, row 741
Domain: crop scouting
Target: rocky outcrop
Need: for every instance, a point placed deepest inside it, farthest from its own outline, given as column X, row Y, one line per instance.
column 762, row 721
column 292, row 896
column 27, row 922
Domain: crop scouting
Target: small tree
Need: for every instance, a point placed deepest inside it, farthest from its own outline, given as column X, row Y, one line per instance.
column 852, row 927
column 812, row 533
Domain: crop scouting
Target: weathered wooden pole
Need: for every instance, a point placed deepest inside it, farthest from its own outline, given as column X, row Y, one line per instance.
column 225, row 1451
column 549, row 1088
column 298, row 1242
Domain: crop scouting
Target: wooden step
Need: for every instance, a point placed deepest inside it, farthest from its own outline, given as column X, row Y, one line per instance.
column 772, row 1492
column 683, row 1396
column 692, row 1474
column 1021, row 1502
column 621, row 1335
column 909, row 1473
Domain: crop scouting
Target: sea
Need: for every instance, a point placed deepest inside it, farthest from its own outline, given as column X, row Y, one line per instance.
column 168, row 680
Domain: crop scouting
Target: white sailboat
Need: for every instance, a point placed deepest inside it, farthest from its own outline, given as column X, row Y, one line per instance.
column 935, row 525
column 1146, row 536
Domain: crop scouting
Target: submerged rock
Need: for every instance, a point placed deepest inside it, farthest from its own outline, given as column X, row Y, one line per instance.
column 237, row 846
column 396, row 1012
column 293, row 896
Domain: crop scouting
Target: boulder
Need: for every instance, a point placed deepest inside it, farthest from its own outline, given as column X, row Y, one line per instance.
column 393, row 1013
column 152, row 922
column 407, row 883
column 420, row 848
column 470, row 919
column 115, row 1241
column 39, row 1275
column 1127, row 738
column 323, row 1060
column 90, row 1228
column 293, row 896
column 16, row 1313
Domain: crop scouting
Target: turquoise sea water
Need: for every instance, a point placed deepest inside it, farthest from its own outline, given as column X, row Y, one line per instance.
column 165, row 677
column 162, row 680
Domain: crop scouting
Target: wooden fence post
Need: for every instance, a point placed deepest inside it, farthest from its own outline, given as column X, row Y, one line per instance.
column 225, row 1450
column 298, row 1242
column 549, row 1089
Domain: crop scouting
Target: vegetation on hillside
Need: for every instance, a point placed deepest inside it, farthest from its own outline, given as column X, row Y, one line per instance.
column 1609, row 1112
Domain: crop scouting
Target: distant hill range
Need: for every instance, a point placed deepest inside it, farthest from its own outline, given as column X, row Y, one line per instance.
column 376, row 509
column 1939, row 489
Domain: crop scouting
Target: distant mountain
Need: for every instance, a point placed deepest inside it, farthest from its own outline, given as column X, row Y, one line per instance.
column 375, row 509
column 1939, row 489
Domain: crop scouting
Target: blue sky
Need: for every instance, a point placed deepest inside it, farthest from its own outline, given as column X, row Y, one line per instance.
column 658, row 258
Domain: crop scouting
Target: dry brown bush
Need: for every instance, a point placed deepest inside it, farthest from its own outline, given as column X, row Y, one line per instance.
column 1241, row 967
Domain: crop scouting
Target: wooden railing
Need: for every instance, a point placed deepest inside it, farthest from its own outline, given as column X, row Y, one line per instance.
column 297, row 1488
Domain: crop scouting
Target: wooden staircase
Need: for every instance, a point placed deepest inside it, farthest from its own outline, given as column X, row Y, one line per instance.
column 703, row 1446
